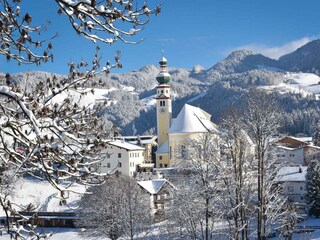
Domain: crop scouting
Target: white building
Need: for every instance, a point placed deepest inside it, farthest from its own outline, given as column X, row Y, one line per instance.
column 161, row 193
column 296, row 151
column 293, row 182
column 122, row 157
column 290, row 155
column 149, row 142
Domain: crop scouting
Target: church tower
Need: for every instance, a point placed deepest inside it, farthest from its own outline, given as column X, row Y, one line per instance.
column 164, row 104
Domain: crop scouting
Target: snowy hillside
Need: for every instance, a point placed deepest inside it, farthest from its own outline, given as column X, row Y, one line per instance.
column 91, row 97
column 149, row 102
column 128, row 98
column 306, row 84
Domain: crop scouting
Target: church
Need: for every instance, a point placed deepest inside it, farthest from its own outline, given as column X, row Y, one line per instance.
column 190, row 123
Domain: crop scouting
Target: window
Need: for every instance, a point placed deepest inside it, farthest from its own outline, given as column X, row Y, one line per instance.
column 291, row 199
column 119, row 155
column 301, row 198
column 170, row 152
column 161, row 165
column 166, row 165
column 108, row 165
column 161, row 91
column 290, row 188
column 183, row 152
column 119, row 164
column 160, row 157
column 301, row 188
column 162, row 103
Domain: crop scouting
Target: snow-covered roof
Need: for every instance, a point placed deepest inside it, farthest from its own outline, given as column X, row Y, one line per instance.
column 146, row 165
column 164, row 148
column 303, row 139
column 292, row 174
column 294, row 142
column 288, row 148
column 125, row 145
column 145, row 139
column 313, row 147
column 153, row 186
column 192, row 120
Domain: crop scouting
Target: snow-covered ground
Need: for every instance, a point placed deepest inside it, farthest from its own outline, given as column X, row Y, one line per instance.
column 196, row 97
column 306, row 230
column 43, row 196
column 150, row 101
column 128, row 88
column 303, row 83
column 90, row 98
column 58, row 234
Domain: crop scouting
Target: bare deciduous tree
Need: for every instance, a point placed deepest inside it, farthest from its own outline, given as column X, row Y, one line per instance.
column 47, row 131
column 194, row 207
column 118, row 208
column 262, row 121
column 238, row 174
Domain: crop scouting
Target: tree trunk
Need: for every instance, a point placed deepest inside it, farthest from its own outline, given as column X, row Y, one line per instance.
column 207, row 219
column 7, row 215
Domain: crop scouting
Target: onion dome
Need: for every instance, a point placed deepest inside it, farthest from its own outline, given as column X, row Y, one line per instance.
column 163, row 77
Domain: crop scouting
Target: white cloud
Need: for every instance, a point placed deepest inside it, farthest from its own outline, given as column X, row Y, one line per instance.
column 276, row 52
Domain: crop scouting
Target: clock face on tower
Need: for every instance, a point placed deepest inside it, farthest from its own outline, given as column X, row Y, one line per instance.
column 162, row 110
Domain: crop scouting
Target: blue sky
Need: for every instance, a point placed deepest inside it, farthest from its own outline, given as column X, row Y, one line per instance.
column 190, row 31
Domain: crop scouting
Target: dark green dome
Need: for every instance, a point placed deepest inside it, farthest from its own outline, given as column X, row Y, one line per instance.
column 163, row 77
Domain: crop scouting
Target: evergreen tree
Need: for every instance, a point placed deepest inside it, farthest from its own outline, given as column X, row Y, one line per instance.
column 316, row 134
column 313, row 188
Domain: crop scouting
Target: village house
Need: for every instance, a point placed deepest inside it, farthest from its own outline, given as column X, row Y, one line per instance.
column 148, row 142
column 161, row 193
column 296, row 151
column 122, row 157
column 293, row 184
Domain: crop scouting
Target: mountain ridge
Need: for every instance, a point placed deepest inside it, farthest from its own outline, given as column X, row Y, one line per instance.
column 232, row 77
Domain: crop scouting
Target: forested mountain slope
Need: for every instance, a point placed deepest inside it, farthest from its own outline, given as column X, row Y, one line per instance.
column 292, row 80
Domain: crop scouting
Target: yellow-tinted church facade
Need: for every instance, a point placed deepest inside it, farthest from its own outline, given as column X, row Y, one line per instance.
column 191, row 122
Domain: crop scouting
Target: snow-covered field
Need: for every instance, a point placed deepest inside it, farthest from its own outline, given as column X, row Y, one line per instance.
column 43, row 196
column 303, row 83
column 149, row 102
column 309, row 230
column 58, row 234
column 85, row 99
